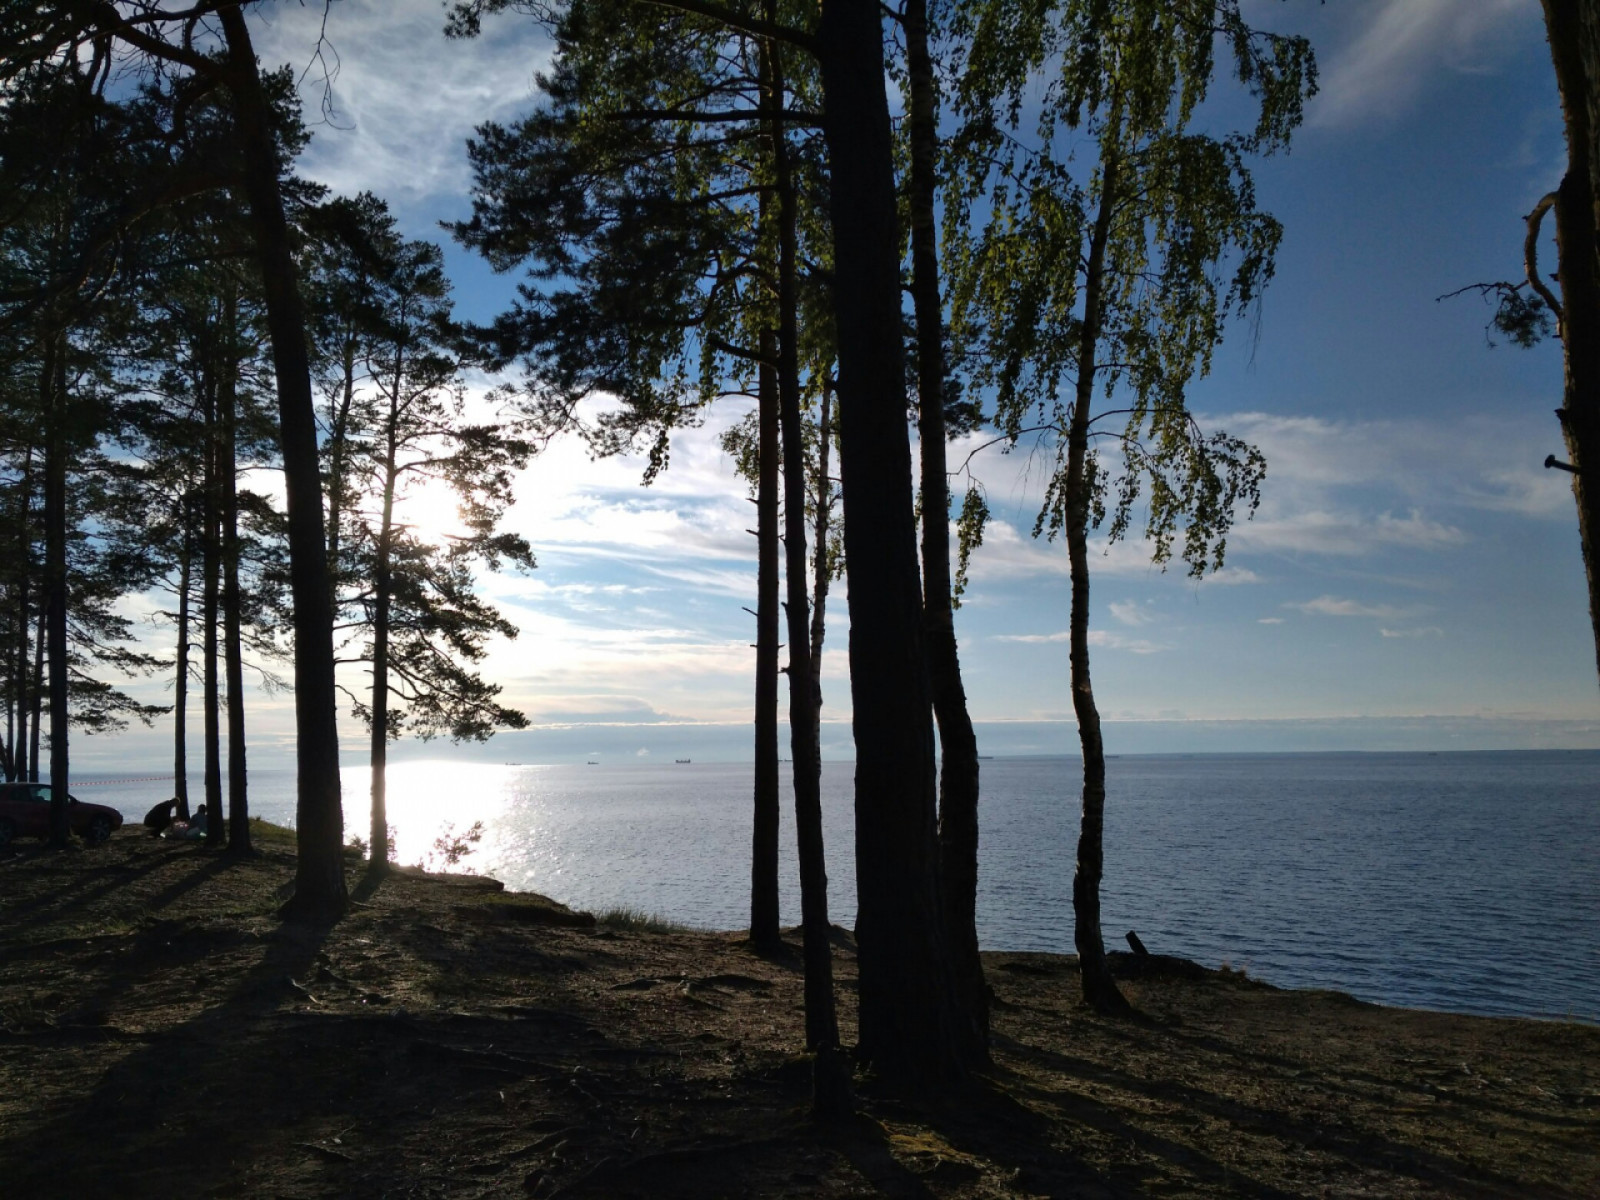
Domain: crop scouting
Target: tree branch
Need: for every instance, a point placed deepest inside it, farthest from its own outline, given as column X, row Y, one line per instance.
column 754, row 26
column 1530, row 255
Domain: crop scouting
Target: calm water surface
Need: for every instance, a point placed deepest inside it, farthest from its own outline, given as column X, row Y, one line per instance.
column 1468, row 882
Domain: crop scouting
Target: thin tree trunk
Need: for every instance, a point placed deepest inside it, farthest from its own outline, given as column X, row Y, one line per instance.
column 910, row 1026
column 180, row 699
column 764, row 840
column 831, row 1077
column 383, row 588
column 211, row 575
column 55, row 570
column 338, row 451
column 320, row 891
column 958, row 744
column 232, row 650
column 1099, row 989
column 821, row 578
column 25, row 574
column 39, row 639
column 1574, row 32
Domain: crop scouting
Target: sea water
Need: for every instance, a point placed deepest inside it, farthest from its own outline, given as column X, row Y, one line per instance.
column 1459, row 881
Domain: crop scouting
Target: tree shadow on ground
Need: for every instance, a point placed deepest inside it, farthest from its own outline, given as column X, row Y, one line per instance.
column 1360, row 1148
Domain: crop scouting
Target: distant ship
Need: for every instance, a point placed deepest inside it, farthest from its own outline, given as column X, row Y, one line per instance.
column 594, row 762
column 680, row 760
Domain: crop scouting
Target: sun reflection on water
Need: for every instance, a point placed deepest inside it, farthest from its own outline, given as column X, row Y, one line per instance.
column 426, row 799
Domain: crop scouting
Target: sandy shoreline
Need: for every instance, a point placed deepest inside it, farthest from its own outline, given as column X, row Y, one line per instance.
column 162, row 1032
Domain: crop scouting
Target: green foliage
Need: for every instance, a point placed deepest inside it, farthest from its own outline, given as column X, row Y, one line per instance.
column 396, row 420
column 969, row 536
column 637, row 920
column 451, row 846
column 632, row 197
column 1113, row 280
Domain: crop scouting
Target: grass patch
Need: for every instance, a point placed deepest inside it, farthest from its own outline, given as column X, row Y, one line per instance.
column 265, row 833
column 639, row 921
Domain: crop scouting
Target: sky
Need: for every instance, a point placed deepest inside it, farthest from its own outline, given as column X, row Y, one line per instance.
column 1411, row 581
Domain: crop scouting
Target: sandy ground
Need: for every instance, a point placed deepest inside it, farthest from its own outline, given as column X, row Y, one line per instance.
column 163, row 1033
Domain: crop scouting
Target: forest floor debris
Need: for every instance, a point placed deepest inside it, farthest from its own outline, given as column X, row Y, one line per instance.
column 163, row 1033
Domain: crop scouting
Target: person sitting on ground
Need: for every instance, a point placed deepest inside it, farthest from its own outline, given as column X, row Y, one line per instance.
column 162, row 815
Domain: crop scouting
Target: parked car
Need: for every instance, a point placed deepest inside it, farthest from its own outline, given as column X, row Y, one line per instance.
column 25, row 812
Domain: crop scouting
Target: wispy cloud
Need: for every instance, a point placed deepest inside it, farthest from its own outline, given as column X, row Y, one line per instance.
column 1424, row 631
column 1334, row 606
column 1132, row 613
column 1403, row 43
column 1103, row 638
column 1108, row 640
column 404, row 99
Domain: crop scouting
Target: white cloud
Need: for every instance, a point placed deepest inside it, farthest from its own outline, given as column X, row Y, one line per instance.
column 1230, row 577
column 1131, row 613
column 1115, row 641
column 1403, row 43
column 1424, row 631
column 1102, row 638
column 1333, row 606
column 1269, row 620
column 1479, row 462
column 405, row 99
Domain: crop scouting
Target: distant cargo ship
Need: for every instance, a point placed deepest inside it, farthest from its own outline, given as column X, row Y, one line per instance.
column 680, row 760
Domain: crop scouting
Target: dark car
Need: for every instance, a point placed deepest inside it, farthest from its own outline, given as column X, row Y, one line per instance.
column 25, row 812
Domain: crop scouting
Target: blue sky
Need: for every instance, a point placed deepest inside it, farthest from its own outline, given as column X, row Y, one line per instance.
column 1411, row 581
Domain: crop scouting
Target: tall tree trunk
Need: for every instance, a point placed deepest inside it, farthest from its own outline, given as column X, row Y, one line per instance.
column 958, row 744
column 911, row 1028
column 19, row 751
column 764, row 840
column 338, row 452
column 232, row 649
column 41, row 635
column 180, row 687
column 821, row 533
column 831, row 1077
column 55, row 571
column 383, row 590
column 320, row 890
column 210, row 606
column 1574, row 32
column 1099, row 989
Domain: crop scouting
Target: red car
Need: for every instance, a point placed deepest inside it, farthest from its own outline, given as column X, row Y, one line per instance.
column 25, row 812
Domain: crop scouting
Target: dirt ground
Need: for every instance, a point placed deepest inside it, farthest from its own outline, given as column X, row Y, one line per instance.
column 163, row 1033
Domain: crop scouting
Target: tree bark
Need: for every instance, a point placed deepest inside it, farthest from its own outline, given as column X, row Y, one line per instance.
column 822, row 1023
column 1573, row 27
column 910, row 1027
column 958, row 744
column 830, row 1078
column 320, row 891
column 232, row 650
column 338, row 450
column 180, row 684
column 53, row 378
column 39, row 690
column 1099, row 989
column 764, row 933
column 382, row 601
column 821, row 533
column 19, row 751
column 210, row 601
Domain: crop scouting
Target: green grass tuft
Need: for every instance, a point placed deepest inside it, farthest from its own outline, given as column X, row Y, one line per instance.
column 639, row 921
